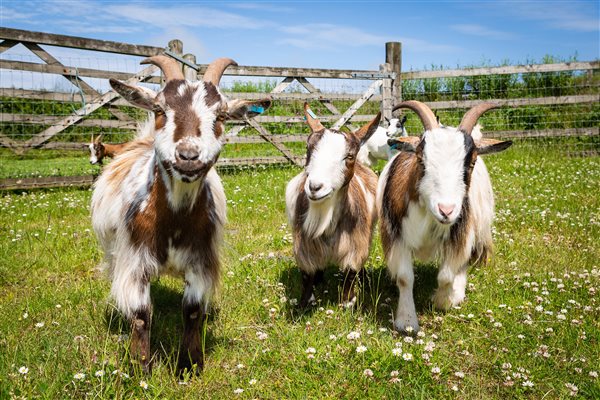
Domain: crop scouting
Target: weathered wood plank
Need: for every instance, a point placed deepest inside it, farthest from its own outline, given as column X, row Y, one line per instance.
column 354, row 107
column 75, row 42
column 278, row 72
column 509, row 69
column 44, row 136
column 543, row 133
column 49, row 96
column 7, row 44
column 41, row 119
column 536, row 101
column 46, row 182
column 61, row 70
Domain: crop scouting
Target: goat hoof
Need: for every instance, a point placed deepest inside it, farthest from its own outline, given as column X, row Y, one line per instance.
column 185, row 366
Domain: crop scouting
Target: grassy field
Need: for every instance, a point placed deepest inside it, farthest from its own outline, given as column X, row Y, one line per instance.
column 530, row 327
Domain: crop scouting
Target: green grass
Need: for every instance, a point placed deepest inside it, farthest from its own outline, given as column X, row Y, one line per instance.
column 532, row 314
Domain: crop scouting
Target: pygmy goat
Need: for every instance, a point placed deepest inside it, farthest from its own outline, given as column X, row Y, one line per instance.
column 377, row 148
column 159, row 207
column 99, row 150
column 435, row 200
column 331, row 206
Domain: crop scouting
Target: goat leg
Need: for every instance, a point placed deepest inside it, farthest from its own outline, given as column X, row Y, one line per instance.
column 140, row 339
column 348, row 295
column 192, row 350
column 308, row 282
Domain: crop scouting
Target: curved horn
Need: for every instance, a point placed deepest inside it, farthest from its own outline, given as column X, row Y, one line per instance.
column 215, row 70
column 470, row 118
column 425, row 114
column 170, row 68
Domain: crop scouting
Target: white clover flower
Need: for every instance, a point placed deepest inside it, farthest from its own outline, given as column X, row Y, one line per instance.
column 454, row 388
column 238, row 391
column 329, row 312
column 368, row 373
column 394, row 373
column 459, row 374
column 397, row 351
column 79, row 376
column 39, row 324
column 261, row 335
column 361, row 349
column 99, row 373
column 310, row 350
column 353, row 335
column 408, row 339
column 407, row 356
column 25, row 315
column 144, row 385
column 506, row 366
column 593, row 374
column 435, row 370
column 332, row 337
column 528, row 383
column 252, row 381
column 23, row 370
column 240, row 366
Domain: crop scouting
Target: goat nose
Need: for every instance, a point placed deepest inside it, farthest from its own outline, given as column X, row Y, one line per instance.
column 446, row 209
column 187, row 153
column 314, row 187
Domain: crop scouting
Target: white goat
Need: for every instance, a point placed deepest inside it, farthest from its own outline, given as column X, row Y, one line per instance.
column 435, row 200
column 159, row 207
column 377, row 148
column 331, row 206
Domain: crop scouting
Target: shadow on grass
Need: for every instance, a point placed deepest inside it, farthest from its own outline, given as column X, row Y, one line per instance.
column 167, row 325
column 377, row 292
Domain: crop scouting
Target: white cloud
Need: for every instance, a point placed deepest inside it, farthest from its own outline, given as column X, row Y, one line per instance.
column 480, row 30
column 188, row 16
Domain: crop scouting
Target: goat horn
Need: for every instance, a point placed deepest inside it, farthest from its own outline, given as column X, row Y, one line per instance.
column 215, row 70
column 425, row 114
column 470, row 118
column 170, row 68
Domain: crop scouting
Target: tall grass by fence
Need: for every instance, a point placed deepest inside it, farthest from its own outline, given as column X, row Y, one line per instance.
column 50, row 110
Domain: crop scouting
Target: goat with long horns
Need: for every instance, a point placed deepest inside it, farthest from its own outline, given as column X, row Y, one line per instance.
column 435, row 199
column 160, row 206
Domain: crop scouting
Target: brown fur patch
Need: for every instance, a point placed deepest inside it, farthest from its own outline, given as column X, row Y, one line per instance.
column 158, row 225
column 401, row 188
column 348, row 245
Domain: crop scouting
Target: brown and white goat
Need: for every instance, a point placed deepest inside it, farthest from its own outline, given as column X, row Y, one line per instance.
column 159, row 207
column 99, row 150
column 435, row 199
column 331, row 206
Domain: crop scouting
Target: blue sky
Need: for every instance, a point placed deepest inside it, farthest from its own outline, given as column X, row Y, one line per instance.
column 330, row 34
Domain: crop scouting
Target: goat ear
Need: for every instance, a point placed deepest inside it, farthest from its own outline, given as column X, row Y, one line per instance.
column 137, row 95
column 404, row 143
column 364, row 133
column 312, row 120
column 243, row 109
column 489, row 146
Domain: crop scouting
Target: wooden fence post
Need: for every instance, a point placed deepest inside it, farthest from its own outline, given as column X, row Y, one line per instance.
column 175, row 46
column 393, row 56
column 387, row 99
column 190, row 73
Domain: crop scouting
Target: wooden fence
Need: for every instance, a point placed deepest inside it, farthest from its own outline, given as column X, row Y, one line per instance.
column 384, row 88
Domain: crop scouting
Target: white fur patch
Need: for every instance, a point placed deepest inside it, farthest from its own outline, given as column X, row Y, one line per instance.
column 443, row 158
column 327, row 165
